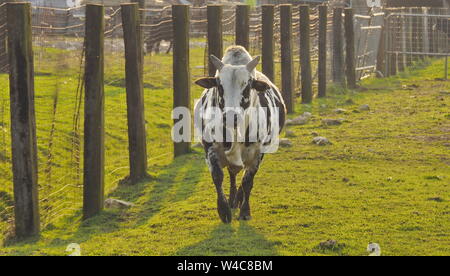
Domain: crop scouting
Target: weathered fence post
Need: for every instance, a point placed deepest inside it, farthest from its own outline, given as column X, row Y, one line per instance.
column 425, row 32
column 243, row 25
column 23, row 122
column 415, row 34
column 287, row 72
column 446, row 68
column 350, row 48
column 140, row 35
column 338, row 50
column 181, row 73
column 215, row 35
column 421, row 36
column 135, row 95
column 393, row 64
column 141, row 4
column 322, row 66
column 391, row 58
column 381, row 55
column 402, row 57
column 268, row 41
column 305, row 55
column 411, row 39
column 94, row 158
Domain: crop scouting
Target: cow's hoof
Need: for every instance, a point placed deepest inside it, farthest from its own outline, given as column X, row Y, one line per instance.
column 244, row 217
column 224, row 211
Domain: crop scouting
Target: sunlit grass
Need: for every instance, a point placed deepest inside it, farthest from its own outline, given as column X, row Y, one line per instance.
column 385, row 179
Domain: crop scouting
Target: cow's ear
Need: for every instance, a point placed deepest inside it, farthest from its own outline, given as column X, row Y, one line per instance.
column 260, row 86
column 207, row 82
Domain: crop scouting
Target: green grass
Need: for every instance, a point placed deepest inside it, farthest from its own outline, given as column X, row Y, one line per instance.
column 385, row 178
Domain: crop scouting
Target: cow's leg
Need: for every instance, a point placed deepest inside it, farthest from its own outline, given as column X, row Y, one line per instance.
column 170, row 47
column 223, row 207
column 239, row 197
column 150, row 47
column 157, row 46
column 233, row 189
column 247, row 185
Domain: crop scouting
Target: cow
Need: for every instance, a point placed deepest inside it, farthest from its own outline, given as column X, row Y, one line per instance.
column 237, row 86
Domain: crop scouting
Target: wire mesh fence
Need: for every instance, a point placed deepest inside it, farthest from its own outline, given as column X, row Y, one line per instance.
column 6, row 195
column 255, row 31
column 58, row 36
column 228, row 25
column 3, row 31
column 158, row 38
column 116, row 128
column 314, row 46
column 413, row 34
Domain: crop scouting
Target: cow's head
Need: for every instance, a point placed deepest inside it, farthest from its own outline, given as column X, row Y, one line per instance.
column 234, row 84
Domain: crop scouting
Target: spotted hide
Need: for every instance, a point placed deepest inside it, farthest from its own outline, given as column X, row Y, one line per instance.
column 238, row 118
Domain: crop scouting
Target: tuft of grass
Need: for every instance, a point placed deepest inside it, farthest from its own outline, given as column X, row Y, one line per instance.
column 329, row 247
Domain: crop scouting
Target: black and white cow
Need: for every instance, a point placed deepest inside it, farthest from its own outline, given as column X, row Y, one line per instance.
column 237, row 86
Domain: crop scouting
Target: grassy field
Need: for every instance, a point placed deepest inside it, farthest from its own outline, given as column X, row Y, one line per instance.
column 385, row 178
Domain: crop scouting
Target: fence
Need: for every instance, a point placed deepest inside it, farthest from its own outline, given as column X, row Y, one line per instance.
column 413, row 34
column 368, row 33
column 85, row 79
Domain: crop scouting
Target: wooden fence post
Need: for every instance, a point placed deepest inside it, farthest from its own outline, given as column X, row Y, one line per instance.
column 94, row 132
column 350, row 48
column 287, row 72
column 23, row 121
column 381, row 55
column 181, row 72
column 141, row 4
column 268, row 41
column 243, row 26
column 393, row 64
column 140, row 35
column 322, row 66
column 215, row 35
column 411, row 39
column 305, row 55
column 338, row 50
column 135, row 94
column 387, row 62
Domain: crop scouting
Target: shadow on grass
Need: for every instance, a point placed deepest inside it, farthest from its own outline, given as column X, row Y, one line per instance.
column 176, row 182
column 224, row 240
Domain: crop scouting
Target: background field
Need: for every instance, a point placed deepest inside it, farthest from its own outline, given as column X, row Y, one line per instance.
column 385, row 178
